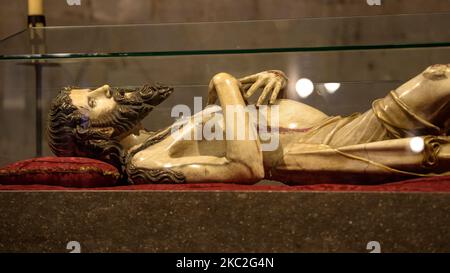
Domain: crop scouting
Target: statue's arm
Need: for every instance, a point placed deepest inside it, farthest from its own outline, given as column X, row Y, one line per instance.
column 243, row 161
column 237, row 160
column 374, row 162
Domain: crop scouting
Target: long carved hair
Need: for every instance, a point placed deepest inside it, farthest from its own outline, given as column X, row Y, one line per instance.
column 70, row 133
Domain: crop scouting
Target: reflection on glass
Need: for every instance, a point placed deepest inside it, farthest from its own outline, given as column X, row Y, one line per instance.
column 332, row 87
column 304, row 87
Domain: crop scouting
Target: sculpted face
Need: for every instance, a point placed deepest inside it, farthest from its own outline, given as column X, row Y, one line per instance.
column 96, row 104
column 118, row 110
column 92, row 122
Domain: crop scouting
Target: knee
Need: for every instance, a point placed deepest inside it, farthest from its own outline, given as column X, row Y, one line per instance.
column 437, row 72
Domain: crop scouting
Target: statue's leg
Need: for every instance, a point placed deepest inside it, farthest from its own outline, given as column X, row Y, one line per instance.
column 376, row 162
column 345, row 131
column 418, row 107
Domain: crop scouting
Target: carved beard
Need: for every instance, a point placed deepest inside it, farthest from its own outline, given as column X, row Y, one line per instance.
column 133, row 105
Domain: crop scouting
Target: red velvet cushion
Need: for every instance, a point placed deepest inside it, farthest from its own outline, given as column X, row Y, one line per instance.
column 60, row 171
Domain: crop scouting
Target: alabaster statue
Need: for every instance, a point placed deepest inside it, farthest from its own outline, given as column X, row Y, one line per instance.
column 312, row 147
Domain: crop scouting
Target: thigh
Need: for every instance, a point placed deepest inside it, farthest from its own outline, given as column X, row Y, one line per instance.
column 363, row 128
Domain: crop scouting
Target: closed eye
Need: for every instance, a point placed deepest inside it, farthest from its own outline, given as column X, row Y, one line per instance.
column 91, row 102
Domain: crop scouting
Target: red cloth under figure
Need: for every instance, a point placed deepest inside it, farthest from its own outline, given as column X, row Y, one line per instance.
column 75, row 173
column 60, row 171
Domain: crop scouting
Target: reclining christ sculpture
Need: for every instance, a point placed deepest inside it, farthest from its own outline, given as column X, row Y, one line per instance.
column 371, row 147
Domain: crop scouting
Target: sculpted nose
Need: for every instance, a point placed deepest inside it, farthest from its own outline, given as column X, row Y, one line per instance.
column 102, row 90
column 108, row 92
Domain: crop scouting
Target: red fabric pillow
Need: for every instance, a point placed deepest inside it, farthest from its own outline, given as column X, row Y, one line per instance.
column 60, row 171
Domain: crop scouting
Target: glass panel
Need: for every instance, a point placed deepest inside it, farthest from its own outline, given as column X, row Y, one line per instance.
column 17, row 111
column 365, row 32
column 364, row 75
column 363, row 58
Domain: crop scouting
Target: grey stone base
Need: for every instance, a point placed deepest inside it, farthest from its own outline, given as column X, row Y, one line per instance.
column 190, row 221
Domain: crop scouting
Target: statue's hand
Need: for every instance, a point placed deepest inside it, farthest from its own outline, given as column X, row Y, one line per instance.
column 272, row 81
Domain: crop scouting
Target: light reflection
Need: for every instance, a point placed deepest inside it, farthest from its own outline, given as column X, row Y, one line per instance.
column 304, row 87
column 416, row 144
column 332, row 87
column 292, row 125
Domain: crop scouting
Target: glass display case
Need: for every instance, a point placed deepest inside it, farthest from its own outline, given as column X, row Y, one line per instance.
column 350, row 60
column 338, row 65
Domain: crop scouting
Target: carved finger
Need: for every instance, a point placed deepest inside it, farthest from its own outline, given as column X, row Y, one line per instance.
column 265, row 92
column 254, row 87
column 244, row 89
column 275, row 92
column 246, row 86
column 249, row 79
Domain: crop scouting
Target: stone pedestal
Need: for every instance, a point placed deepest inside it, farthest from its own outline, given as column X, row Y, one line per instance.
column 220, row 221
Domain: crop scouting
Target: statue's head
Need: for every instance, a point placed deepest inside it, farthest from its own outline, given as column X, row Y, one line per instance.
column 91, row 123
